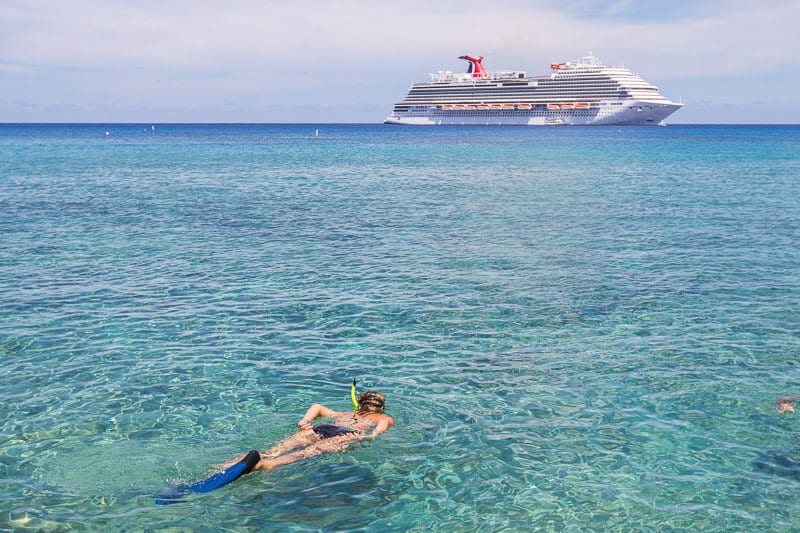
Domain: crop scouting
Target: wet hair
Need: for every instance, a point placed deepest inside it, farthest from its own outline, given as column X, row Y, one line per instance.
column 371, row 401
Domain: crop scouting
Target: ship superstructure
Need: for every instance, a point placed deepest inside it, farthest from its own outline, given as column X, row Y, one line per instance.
column 575, row 92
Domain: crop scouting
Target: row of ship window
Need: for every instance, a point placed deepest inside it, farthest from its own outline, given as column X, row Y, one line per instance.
column 513, row 113
column 520, row 94
column 536, row 107
column 518, row 90
column 541, row 87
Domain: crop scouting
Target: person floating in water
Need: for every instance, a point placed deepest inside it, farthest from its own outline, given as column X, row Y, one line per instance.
column 365, row 423
column 785, row 404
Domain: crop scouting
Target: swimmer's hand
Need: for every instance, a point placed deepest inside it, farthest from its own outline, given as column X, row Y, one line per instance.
column 304, row 425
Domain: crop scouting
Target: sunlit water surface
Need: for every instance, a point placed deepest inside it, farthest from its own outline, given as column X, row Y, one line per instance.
column 575, row 328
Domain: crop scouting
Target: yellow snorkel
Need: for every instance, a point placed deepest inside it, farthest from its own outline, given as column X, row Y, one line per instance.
column 353, row 396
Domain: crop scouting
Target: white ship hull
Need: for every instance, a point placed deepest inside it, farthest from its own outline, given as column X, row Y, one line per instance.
column 632, row 113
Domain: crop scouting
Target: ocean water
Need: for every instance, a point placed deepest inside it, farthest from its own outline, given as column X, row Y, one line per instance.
column 576, row 328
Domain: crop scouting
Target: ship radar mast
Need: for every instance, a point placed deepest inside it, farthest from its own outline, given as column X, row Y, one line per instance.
column 589, row 60
column 475, row 67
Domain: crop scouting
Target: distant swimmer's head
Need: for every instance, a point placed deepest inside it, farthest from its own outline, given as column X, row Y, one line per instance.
column 371, row 401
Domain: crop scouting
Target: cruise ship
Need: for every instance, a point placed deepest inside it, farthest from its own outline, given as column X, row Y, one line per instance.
column 583, row 92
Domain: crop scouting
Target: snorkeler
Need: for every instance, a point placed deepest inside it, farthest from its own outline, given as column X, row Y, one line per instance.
column 785, row 404
column 365, row 423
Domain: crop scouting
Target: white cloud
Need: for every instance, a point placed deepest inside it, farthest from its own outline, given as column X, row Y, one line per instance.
column 204, row 36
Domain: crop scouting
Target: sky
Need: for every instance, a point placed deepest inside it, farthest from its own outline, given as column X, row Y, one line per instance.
column 323, row 61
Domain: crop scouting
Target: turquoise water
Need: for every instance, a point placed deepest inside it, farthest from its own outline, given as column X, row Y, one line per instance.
column 576, row 329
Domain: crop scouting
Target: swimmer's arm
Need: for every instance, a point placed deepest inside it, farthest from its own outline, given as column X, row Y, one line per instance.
column 382, row 426
column 315, row 411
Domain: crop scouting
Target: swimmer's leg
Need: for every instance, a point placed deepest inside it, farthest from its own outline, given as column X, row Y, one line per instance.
column 333, row 444
column 298, row 440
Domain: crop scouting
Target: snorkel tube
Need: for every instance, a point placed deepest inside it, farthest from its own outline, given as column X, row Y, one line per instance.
column 353, row 396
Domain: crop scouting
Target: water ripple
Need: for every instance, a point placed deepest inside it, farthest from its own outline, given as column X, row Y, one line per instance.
column 575, row 329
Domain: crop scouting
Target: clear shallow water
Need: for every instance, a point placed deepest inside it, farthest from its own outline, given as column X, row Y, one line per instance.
column 575, row 328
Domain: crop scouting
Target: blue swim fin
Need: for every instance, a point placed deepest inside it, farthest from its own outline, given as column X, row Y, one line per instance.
column 233, row 472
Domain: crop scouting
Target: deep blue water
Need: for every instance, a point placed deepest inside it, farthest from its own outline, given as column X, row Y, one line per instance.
column 575, row 328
